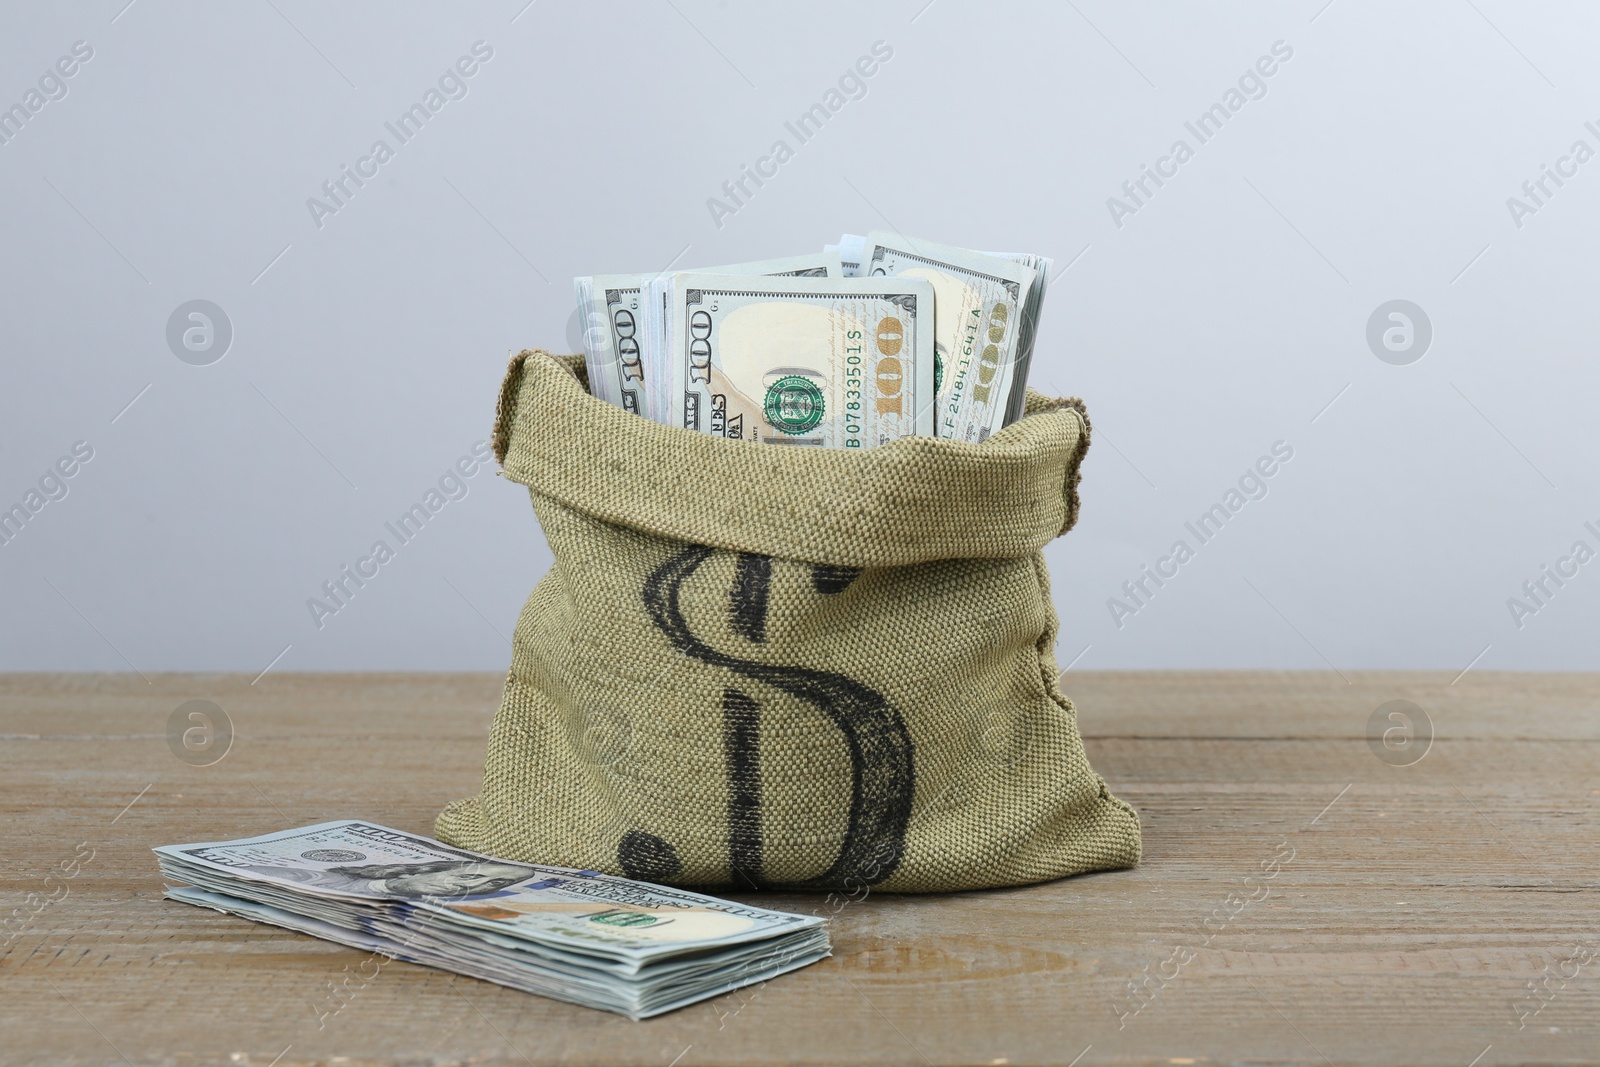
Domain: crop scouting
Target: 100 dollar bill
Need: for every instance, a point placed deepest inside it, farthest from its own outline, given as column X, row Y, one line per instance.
column 833, row 363
column 850, row 247
column 617, row 338
column 978, row 326
column 824, row 264
column 1032, row 306
column 611, row 308
column 351, row 861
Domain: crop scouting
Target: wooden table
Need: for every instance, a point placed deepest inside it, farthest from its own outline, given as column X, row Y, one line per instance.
column 1443, row 912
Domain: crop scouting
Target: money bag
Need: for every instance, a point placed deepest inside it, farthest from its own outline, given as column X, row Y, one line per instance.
column 764, row 666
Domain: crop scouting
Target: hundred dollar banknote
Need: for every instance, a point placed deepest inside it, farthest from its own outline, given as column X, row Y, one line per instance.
column 849, row 248
column 610, row 306
column 581, row 936
column 824, row 264
column 615, row 325
column 832, row 363
column 980, row 304
column 1032, row 306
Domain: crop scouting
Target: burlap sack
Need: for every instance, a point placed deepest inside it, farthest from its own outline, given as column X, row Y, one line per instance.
column 763, row 666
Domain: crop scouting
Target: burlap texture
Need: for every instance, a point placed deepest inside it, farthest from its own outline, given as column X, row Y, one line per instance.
column 757, row 665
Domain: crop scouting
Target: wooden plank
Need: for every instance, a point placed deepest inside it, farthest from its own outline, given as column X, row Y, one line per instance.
column 1410, row 908
column 1265, row 704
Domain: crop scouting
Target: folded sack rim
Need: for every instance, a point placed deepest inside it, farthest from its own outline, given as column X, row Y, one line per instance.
column 912, row 500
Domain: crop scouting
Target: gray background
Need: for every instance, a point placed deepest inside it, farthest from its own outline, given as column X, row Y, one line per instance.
column 1224, row 316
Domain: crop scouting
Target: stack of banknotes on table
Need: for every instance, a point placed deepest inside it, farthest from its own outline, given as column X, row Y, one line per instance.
column 588, row 938
column 874, row 338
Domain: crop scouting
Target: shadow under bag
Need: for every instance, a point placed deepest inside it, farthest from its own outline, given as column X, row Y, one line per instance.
column 753, row 665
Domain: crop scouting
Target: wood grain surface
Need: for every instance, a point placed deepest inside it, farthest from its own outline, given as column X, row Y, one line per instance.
column 1301, row 899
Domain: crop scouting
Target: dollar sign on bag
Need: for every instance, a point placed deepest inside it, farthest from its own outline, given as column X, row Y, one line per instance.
column 881, row 751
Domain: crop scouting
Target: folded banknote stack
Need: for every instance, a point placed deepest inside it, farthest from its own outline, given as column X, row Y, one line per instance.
column 580, row 936
column 874, row 338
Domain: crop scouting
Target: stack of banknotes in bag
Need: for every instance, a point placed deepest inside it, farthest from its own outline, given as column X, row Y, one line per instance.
column 874, row 338
column 580, row 936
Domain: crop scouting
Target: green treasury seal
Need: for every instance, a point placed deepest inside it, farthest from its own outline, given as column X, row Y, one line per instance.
column 794, row 404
